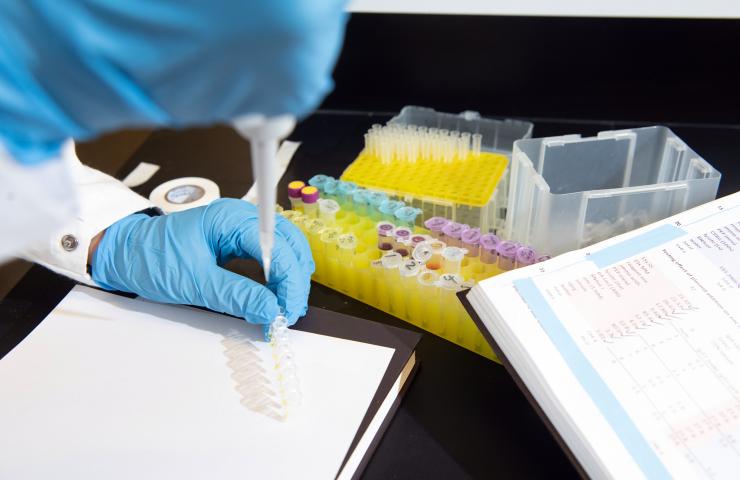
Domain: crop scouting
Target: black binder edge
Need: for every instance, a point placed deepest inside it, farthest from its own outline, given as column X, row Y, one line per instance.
column 463, row 297
column 383, row 426
column 403, row 342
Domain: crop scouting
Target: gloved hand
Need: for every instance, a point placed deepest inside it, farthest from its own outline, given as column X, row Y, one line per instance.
column 177, row 258
column 78, row 69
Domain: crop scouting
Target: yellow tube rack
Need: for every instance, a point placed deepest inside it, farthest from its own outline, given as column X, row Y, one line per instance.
column 471, row 181
column 357, row 271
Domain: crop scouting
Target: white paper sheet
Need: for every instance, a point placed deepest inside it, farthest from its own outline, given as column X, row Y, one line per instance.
column 108, row 387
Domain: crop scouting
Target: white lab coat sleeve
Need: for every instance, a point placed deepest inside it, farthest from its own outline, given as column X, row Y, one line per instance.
column 102, row 200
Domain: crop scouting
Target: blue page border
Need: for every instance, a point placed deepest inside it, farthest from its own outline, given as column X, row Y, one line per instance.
column 635, row 245
column 592, row 382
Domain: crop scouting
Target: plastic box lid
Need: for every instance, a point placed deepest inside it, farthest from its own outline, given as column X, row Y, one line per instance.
column 569, row 192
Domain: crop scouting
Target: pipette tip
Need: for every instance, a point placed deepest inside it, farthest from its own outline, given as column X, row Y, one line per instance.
column 266, row 266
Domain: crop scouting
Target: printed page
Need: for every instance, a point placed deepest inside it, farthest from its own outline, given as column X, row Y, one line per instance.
column 109, row 387
column 647, row 323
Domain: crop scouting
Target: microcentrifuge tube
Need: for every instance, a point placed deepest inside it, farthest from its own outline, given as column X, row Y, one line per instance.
column 507, row 254
column 488, row 252
column 347, row 243
column 435, row 225
column 452, row 258
column 435, row 263
column 328, row 211
column 452, row 232
column 525, row 256
column 385, row 236
column 309, row 201
column 470, row 239
column 294, row 195
column 318, row 181
column 422, row 252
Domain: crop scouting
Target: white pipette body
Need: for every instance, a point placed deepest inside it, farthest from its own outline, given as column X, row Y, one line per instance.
column 264, row 135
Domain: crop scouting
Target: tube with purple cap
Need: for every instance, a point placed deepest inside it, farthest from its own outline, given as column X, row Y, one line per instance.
column 385, row 236
column 417, row 239
column 525, row 256
column 471, row 241
column 402, row 236
column 309, row 199
column 488, row 253
column 294, row 195
column 453, row 231
column 507, row 255
column 435, row 226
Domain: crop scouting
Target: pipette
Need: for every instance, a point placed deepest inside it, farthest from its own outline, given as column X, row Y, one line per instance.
column 263, row 135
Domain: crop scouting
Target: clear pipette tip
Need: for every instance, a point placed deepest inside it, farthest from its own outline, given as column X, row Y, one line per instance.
column 266, row 266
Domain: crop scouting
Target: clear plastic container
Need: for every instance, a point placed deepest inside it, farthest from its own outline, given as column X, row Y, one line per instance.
column 569, row 192
column 496, row 135
column 472, row 193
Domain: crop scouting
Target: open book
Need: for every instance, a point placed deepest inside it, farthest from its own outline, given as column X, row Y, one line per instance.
column 630, row 348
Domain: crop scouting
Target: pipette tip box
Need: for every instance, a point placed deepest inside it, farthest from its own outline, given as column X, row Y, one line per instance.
column 461, row 177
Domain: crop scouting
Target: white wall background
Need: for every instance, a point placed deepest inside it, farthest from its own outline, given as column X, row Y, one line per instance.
column 591, row 8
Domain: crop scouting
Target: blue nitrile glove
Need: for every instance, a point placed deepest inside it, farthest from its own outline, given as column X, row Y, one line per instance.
column 84, row 67
column 177, row 258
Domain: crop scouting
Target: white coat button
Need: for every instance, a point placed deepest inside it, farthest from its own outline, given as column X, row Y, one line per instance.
column 69, row 242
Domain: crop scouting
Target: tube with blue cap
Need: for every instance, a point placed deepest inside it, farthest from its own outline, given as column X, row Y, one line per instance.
column 406, row 216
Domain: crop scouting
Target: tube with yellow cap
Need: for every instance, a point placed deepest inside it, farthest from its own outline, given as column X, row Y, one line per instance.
column 309, row 199
column 294, row 195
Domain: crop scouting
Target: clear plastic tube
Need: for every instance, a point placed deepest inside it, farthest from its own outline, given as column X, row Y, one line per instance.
column 435, row 262
column 477, row 140
column 328, row 211
column 452, row 258
column 286, row 370
column 347, row 244
column 385, row 236
column 464, row 146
